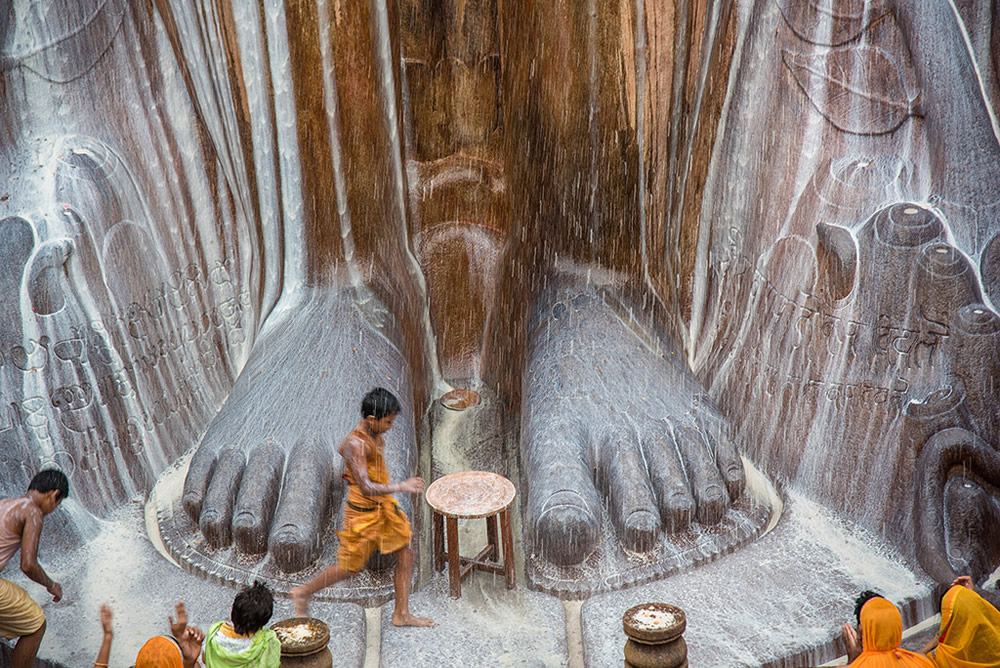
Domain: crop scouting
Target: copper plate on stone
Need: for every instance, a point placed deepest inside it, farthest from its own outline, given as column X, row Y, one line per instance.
column 302, row 635
column 460, row 399
column 470, row 494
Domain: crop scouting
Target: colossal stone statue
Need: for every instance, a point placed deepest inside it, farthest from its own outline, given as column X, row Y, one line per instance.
column 843, row 311
column 633, row 224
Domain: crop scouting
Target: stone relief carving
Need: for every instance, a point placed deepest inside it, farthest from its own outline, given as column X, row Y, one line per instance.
column 661, row 236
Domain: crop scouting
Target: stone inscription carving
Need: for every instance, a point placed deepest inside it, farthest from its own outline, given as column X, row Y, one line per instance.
column 801, row 211
column 114, row 360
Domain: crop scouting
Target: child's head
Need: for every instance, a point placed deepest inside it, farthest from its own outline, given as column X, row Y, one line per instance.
column 50, row 480
column 252, row 609
column 379, row 403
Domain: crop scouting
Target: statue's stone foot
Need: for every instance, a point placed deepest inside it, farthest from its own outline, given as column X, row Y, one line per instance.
column 957, row 506
column 262, row 493
column 629, row 469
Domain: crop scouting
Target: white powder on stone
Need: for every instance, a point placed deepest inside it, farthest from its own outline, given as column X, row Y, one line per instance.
column 293, row 634
column 652, row 618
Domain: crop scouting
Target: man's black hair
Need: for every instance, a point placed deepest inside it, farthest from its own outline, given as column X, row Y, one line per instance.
column 252, row 609
column 863, row 598
column 48, row 480
column 380, row 403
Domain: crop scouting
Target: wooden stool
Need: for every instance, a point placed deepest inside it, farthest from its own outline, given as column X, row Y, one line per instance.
column 471, row 495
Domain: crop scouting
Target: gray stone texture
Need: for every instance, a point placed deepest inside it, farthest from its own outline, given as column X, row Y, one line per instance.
column 656, row 235
column 488, row 625
column 778, row 602
column 117, row 565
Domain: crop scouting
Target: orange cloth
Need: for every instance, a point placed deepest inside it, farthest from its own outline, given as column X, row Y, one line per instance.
column 881, row 634
column 969, row 636
column 160, row 652
column 370, row 522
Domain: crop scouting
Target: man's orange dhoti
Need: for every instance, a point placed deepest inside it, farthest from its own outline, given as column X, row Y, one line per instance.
column 370, row 522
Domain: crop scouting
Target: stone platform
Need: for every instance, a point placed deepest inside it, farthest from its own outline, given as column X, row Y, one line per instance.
column 777, row 602
column 120, row 566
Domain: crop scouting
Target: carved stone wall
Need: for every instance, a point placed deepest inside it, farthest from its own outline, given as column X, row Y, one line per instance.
column 129, row 299
column 663, row 233
column 844, row 282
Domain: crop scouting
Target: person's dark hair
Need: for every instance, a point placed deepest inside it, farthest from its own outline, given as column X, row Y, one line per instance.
column 48, row 480
column 252, row 608
column 380, row 403
column 863, row 598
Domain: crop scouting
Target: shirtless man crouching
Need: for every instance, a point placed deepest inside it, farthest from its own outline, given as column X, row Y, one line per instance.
column 20, row 528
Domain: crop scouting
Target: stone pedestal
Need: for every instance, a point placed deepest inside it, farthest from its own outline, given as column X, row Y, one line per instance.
column 655, row 639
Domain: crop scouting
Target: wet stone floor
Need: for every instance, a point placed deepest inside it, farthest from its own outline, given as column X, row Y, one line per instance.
column 776, row 602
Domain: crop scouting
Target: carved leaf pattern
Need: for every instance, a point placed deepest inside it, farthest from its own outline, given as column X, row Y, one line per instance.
column 825, row 22
column 859, row 90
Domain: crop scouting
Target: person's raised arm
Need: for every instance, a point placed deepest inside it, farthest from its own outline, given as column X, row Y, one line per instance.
column 190, row 642
column 30, row 534
column 353, row 450
column 177, row 627
column 104, row 654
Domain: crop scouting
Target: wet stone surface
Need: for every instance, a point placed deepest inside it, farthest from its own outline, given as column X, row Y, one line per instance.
column 814, row 228
column 226, row 566
column 612, row 567
column 779, row 601
column 490, row 625
column 118, row 565
column 629, row 470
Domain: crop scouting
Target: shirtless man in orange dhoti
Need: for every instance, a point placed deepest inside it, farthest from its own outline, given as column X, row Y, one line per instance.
column 372, row 517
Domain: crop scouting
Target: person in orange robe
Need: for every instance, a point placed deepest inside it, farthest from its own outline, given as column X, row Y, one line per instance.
column 969, row 636
column 372, row 516
column 881, row 636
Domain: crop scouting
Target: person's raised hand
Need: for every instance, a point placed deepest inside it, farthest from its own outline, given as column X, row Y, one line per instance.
column 106, row 619
column 965, row 581
column 190, row 642
column 412, row 485
column 852, row 641
column 177, row 627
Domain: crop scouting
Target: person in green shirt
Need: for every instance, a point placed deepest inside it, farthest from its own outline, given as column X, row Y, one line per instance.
column 244, row 641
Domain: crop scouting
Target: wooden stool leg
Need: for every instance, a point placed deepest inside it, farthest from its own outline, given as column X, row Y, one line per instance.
column 491, row 537
column 507, row 536
column 438, row 541
column 454, row 563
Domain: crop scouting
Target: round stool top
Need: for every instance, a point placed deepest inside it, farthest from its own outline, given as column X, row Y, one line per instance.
column 470, row 494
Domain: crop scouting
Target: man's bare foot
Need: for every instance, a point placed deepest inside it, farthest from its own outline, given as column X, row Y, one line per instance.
column 301, row 600
column 406, row 619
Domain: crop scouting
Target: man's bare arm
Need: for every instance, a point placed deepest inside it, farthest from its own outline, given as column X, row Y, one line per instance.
column 30, row 534
column 353, row 450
